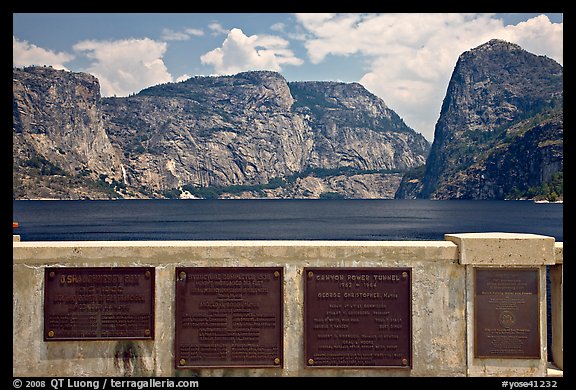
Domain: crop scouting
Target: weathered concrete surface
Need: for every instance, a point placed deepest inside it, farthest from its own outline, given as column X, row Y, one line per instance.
column 506, row 367
column 440, row 323
column 504, row 248
column 438, row 312
column 557, row 292
column 559, row 253
column 557, row 301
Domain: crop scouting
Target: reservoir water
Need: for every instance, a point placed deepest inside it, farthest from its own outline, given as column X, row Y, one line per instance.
column 280, row 219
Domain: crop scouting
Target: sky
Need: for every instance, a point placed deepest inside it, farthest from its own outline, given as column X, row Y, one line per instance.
column 406, row 59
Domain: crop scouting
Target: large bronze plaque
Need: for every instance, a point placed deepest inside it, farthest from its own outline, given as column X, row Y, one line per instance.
column 98, row 303
column 358, row 317
column 229, row 317
column 506, row 313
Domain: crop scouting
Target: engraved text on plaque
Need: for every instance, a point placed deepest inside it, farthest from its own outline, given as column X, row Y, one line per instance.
column 358, row 317
column 229, row 317
column 506, row 313
column 98, row 303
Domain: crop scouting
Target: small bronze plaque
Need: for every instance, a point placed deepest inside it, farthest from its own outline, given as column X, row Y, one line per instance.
column 229, row 317
column 358, row 317
column 506, row 313
column 98, row 303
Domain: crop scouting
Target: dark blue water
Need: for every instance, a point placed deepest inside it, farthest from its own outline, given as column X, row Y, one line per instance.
column 280, row 219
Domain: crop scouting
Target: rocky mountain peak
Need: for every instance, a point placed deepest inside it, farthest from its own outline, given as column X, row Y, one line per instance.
column 498, row 45
column 332, row 93
column 257, row 90
column 492, row 87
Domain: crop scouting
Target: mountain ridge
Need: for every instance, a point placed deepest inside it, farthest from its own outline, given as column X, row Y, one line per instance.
column 254, row 134
column 241, row 130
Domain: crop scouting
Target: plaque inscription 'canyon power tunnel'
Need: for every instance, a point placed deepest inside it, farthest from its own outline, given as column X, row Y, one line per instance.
column 98, row 303
column 358, row 317
column 506, row 313
column 229, row 317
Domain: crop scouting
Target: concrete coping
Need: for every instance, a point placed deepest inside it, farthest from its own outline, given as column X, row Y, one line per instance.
column 233, row 243
column 258, row 251
column 464, row 248
column 497, row 248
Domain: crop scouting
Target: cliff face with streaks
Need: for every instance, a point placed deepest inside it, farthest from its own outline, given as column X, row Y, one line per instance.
column 60, row 145
column 172, row 140
column 253, row 127
column 500, row 130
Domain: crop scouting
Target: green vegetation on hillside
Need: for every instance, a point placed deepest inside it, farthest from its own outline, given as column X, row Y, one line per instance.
column 552, row 190
column 44, row 167
column 215, row 192
column 332, row 195
column 415, row 173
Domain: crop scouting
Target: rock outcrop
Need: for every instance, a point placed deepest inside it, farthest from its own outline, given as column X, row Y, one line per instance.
column 60, row 146
column 243, row 130
column 527, row 156
column 500, row 127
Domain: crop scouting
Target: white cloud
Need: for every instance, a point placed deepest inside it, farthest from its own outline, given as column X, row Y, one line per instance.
column 278, row 27
column 538, row 35
column 256, row 52
column 411, row 57
column 194, row 31
column 184, row 77
column 26, row 54
column 125, row 66
column 217, row 28
column 171, row 35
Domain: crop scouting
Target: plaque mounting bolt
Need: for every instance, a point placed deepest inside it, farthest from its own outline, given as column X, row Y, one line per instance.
column 147, row 274
column 182, row 275
column 310, row 362
column 182, row 362
column 50, row 333
column 276, row 274
column 310, row 275
column 404, row 275
column 277, row 361
column 404, row 362
column 52, row 274
column 146, row 332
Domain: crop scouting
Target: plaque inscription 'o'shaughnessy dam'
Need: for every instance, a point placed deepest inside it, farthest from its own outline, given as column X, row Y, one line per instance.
column 506, row 314
column 358, row 317
column 229, row 317
column 98, row 303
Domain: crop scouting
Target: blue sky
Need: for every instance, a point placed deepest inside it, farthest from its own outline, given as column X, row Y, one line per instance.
column 405, row 59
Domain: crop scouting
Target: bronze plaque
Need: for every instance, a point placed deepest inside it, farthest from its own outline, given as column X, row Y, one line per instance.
column 229, row 317
column 358, row 317
column 506, row 313
column 98, row 303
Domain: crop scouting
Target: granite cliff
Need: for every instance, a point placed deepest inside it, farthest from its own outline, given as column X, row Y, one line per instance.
column 248, row 135
column 500, row 130
column 253, row 134
column 60, row 146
